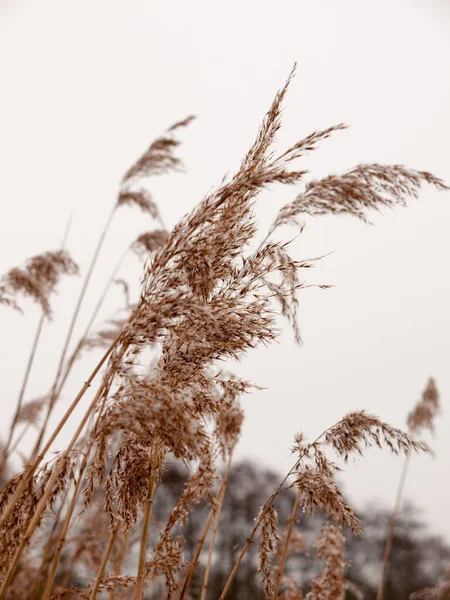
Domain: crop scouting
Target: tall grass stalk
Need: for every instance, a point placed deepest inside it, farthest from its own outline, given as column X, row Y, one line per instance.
column 198, row 550
column 32, row 468
column 68, row 339
column 103, row 563
column 7, row 449
column 76, row 352
column 140, row 582
column 26, row 376
column 422, row 417
column 218, row 510
column 41, row 505
column 285, row 547
column 391, row 528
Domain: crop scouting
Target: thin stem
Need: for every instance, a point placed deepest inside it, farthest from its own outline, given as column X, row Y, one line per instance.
column 46, row 556
column 68, row 573
column 252, row 534
column 40, row 507
column 390, row 537
column 94, row 314
column 267, row 505
column 285, row 550
column 63, row 534
column 26, row 375
column 103, row 564
column 220, row 498
column 76, row 312
column 147, row 514
column 64, row 530
column 32, row 468
column 25, row 379
column 119, row 562
column 104, row 293
column 19, row 438
column 195, row 558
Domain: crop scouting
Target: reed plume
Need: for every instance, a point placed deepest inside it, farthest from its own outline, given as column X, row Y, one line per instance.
column 420, row 419
column 38, row 279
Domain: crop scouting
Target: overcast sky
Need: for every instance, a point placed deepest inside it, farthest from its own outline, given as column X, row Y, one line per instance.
column 87, row 85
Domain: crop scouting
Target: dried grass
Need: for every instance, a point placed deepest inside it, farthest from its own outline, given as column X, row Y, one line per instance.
column 208, row 295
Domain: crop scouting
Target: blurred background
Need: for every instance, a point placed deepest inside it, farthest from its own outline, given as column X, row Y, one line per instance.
column 87, row 86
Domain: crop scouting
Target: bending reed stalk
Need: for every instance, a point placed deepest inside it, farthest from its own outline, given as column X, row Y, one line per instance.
column 220, row 498
column 119, row 562
column 26, row 375
column 94, row 314
column 286, row 545
column 390, row 537
column 40, row 507
column 37, row 335
column 57, row 470
column 249, row 540
column 63, row 534
column 60, row 543
column 195, row 558
column 32, row 468
column 53, row 394
column 46, row 558
column 147, row 514
column 105, row 558
column 267, row 505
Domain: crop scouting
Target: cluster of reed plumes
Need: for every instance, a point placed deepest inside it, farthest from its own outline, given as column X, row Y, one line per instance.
column 210, row 293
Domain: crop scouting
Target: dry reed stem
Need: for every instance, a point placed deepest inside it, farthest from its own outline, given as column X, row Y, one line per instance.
column 83, row 338
column 60, row 544
column 29, row 366
column 139, row 592
column 53, row 396
column 32, row 469
column 259, row 521
column 65, row 528
column 31, row 528
column 104, row 293
column 40, row 507
column 37, row 335
column 58, row 469
column 218, row 510
column 104, row 562
column 198, row 301
column 120, row 559
column 352, row 433
column 255, row 529
column 285, row 549
column 392, row 522
column 63, row 534
column 195, row 559
column 46, row 558
column 421, row 417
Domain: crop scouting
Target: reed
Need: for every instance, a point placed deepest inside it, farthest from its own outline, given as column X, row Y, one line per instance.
column 211, row 292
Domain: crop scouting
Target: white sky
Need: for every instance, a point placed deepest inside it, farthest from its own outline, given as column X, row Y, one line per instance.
column 87, row 85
